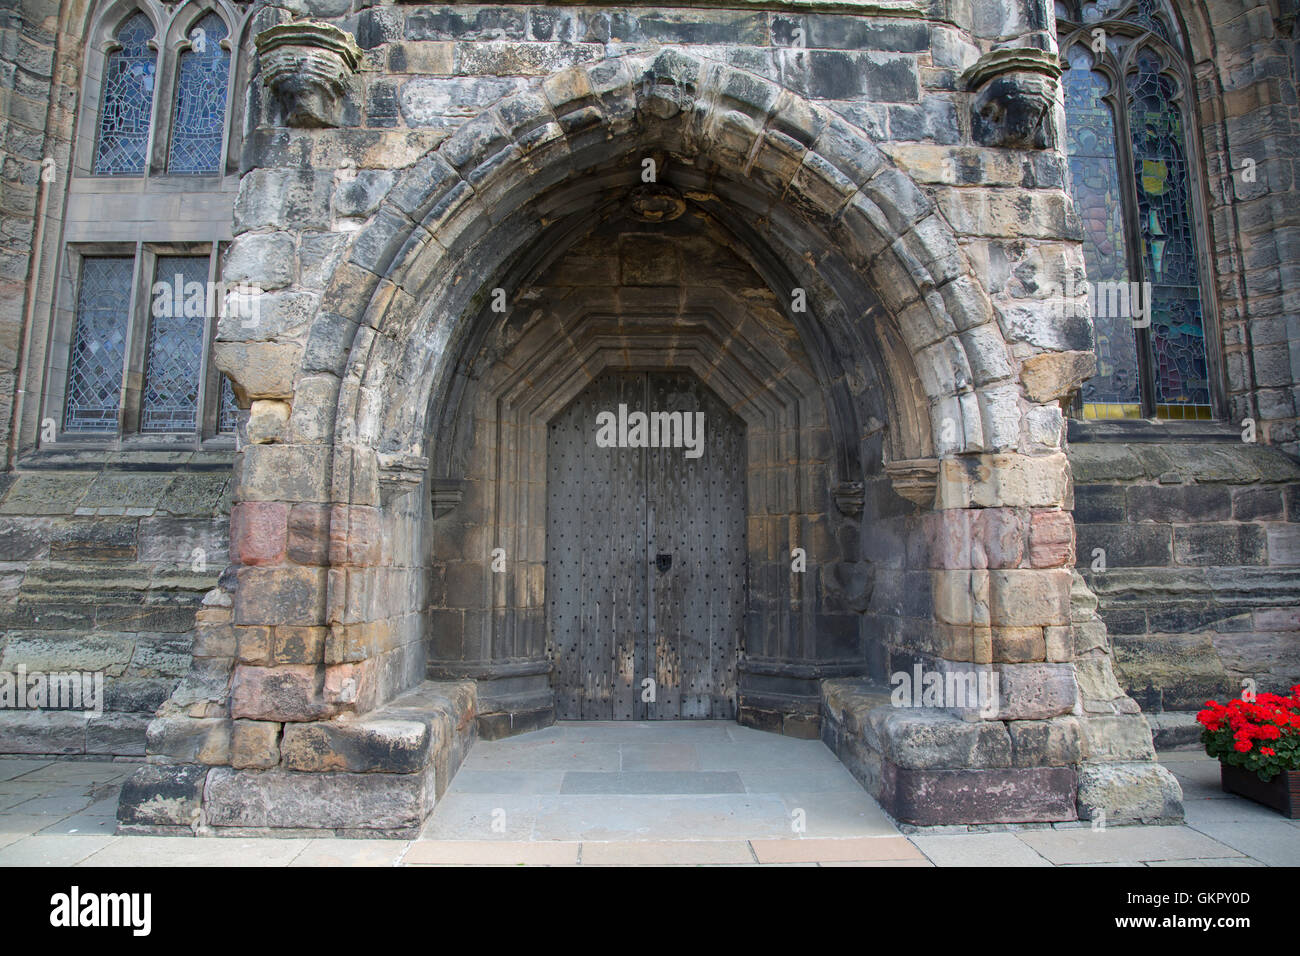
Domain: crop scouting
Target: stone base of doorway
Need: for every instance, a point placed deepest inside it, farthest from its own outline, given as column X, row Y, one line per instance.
column 376, row 776
column 932, row 768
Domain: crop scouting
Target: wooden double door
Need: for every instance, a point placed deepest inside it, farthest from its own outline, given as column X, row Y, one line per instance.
column 646, row 556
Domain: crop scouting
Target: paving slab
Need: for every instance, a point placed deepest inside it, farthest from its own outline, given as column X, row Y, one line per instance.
column 551, row 755
column 57, row 803
column 1228, row 861
column 14, row 826
column 761, row 755
column 483, row 853
column 196, row 851
column 830, row 851
column 82, row 824
column 978, row 849
column 666, row 817
column 80, row 772
column 1200, row 779
column 1124, row 845
column 507, row 781
column 1196, row 811
column 489, row 817
column 332, row 852
column 660, row 756
column 54, row 849
column 920, row 863
column 11, row 768
column 1274, row 842
column 16, row 796
column 837, row 779
column 1184, row 756
column 652, row 782
column 838, row 814
column 667, row 853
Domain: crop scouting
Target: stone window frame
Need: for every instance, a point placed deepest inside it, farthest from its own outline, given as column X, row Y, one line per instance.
column 174, row 29
column 130, row 410
column 155, row 223
column 1177, row 66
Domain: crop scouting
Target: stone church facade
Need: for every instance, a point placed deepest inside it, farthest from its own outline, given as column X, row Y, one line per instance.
column 310, row 309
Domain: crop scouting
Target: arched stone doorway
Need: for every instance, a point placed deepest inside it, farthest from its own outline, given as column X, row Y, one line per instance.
column 951, row 547
column 658, row 298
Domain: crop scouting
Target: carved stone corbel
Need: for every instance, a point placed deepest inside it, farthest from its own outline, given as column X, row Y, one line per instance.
column 916, row 479
column 399, row 474
column 1015, row 96
column 668, row 87
column 306, row 64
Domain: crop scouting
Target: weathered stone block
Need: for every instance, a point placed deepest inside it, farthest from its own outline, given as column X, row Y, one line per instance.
column 1116, row 739
column 290, row 692
column 1035, row 691
column 258, row 532
column 926, row 739
column 254, row 744
column 363, row 746
column 189, row 740
column 279, row 799
column 1129, row 793
column 288, row 595
column 1021, row 597
column 1004, row 795
column 162, row 796
column 1045, row 743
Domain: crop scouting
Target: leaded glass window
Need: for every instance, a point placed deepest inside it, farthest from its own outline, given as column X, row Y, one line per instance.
column 1164, row 218
column 127, row 102
column 228, row 413
column 99, row 344
column 178, row 307
column 199, row 118
column 1133, row 184
column 1114, row 392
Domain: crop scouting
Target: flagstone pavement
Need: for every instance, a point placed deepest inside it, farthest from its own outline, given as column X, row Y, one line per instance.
column 622, row 793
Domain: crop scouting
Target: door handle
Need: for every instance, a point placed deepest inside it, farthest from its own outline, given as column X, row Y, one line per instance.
column 663, row 562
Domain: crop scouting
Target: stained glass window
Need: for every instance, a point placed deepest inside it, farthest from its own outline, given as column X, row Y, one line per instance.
column 227, row 414
column 127, row 102
column 1115, row 391
column 200, row 115
column 1168, row 243
column 1132, row 184
column 178, row 308
column 99, row 345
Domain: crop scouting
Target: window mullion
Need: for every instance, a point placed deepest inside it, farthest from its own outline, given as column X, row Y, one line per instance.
column 137, row 335
column 209, row 378
column 1136, row 259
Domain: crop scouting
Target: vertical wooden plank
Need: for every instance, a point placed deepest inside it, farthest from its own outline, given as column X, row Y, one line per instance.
column 563, row 566
column 697, row 506
column 624, row 523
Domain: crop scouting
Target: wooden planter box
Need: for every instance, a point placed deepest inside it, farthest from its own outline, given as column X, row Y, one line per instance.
column 1282, row 793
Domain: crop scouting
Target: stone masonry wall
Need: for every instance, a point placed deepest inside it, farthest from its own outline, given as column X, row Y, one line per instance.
column 1194, row 553
column 103, row 570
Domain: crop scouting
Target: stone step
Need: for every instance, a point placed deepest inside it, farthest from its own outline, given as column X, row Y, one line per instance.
column 433, row 724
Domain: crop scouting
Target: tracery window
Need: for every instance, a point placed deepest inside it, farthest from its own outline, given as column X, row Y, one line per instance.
column 131, row 358
column 126, row 109
column 199, row 118
column 1131, row 172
